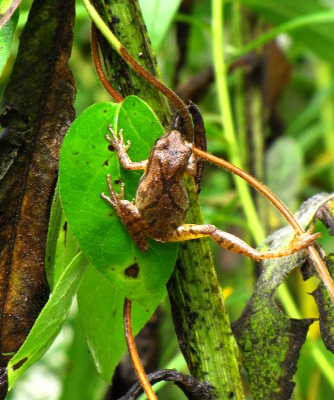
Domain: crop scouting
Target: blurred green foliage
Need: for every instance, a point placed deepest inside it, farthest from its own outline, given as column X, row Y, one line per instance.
column 304, row 125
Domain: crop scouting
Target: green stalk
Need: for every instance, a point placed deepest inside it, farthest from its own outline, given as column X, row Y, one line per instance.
column 102, row 26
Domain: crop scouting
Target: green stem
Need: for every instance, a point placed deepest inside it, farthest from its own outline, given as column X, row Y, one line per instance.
column 98, row 21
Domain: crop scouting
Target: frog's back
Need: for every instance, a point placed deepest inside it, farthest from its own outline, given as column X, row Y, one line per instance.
column 163, row 205
column 161, row 197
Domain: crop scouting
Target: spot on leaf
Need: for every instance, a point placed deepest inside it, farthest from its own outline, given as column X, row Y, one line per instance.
column 132, row 271
column 20, row 363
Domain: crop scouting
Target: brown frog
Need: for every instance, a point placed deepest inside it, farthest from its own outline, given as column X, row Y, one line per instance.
column 161, row 200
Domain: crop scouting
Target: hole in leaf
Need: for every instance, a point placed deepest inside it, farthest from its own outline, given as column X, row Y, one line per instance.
column 111, row 147
column 106, row 163
column 20, row 363
column 132, row 271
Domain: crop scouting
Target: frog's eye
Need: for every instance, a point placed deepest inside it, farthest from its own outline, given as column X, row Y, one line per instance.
column 162, row 144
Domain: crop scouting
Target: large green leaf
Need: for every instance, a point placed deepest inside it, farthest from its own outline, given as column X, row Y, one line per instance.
column 84, row 163
column 101, row 311
column 49, row 322
column 61, row 246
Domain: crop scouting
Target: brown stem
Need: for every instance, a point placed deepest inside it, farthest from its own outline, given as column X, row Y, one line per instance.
column 133, row 351
column 279, row 205
column 98, row 66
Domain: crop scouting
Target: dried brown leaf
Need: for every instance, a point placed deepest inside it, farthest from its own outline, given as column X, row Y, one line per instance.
column 36, row 112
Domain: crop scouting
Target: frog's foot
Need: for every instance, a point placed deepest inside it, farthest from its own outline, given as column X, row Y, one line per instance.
column 118, row 144
column 121, row 150
column 114, row 198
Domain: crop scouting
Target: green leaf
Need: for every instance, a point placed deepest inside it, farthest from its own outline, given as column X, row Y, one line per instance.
column 326, row 308
column 61, row 246
column 325, row 214
column 270, row 341
column 6, row 39
column 317, row 36
column 158, row 15
column 55, row 220
column 49, row 322
column 84, row 163
column 101, row 317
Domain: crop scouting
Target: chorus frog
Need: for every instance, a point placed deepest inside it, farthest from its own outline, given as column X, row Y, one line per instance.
column 161, row 201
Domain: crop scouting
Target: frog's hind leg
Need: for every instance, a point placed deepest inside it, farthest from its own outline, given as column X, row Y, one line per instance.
column 128, row 214
column 236, row 245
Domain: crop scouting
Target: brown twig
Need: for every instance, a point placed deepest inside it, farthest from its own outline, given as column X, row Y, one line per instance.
column 99, row 69
column 133, row 351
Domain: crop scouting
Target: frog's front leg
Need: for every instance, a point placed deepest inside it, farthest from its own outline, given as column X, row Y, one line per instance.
column 236, row 245
column 128, row 214
column 121, row 150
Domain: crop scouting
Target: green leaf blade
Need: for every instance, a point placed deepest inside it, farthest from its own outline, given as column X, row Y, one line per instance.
column 49, row 322
column 317, row 36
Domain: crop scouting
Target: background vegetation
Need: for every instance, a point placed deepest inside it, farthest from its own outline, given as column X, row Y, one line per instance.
column 282, row 104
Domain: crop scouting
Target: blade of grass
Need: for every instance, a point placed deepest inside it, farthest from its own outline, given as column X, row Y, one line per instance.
column 296, row 23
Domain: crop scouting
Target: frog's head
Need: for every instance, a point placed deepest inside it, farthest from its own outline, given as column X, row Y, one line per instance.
column 173, row 152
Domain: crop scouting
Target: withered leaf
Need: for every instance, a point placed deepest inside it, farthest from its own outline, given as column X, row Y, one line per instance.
column 36, row 112
column 326, row 308
column 270, row 341
column 325, row 305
